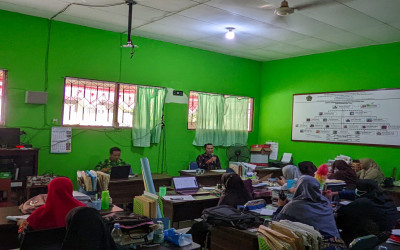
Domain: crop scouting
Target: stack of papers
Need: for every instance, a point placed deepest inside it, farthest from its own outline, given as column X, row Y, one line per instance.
column 80, row 196
column 219, row 170
column 395, row 237
column 189, row 171
column 19, row 217
column 178, row 198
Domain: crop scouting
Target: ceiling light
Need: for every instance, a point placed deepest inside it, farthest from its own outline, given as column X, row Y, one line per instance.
column 230, row 34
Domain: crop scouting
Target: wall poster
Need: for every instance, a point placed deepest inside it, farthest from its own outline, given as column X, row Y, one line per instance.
column 369, row 117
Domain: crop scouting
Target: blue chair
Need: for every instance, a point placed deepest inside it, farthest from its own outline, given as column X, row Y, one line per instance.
column 193, row 165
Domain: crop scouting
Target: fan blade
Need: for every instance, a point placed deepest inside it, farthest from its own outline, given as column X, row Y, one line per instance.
column 312, row 4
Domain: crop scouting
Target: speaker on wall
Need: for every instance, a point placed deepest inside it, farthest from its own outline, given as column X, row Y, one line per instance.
column 36, row 97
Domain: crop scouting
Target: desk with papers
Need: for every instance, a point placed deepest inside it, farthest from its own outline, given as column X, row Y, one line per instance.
column 209, row 178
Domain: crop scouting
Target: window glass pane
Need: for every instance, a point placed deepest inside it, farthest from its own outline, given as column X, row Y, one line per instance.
column 88, row 102
column 126, row 104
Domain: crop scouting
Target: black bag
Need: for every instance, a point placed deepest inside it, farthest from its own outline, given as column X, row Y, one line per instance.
column 225, row 215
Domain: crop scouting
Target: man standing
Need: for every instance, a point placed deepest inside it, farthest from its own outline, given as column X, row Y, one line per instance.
column 114, row 161
column 208, row 161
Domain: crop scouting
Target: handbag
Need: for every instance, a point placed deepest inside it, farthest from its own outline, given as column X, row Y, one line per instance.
column 33, row 203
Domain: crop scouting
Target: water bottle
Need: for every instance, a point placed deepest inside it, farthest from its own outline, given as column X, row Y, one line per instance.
column 105, row 197
column 159, row 233
column 116, row 234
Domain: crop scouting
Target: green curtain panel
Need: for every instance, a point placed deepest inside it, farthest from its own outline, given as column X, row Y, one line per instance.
column 221, row 121
column 147, row 116
column 236, row 120
column 210, row 119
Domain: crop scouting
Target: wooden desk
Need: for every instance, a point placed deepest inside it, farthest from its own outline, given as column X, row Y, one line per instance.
column 229, row 238
column 188, row 210
column 209, row 178
column 8, row 229
column 394, row 193
column 263, row 171
column 124, row 190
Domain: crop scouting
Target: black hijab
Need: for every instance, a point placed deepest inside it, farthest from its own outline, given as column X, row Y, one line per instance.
column 344, row 173
column 86, row 230
column 235, row 192
column 307, row 168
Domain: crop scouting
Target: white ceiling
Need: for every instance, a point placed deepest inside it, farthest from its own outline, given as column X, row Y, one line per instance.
column 328, row 25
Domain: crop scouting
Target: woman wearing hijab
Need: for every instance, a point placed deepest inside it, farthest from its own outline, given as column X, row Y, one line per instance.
column 235, row 192
column 371, row 213
column 342, row 171
column 86, row 230
column 58, row 203
column 307, row 168
column 290, row 172
column 308, row 206
column 370, row 170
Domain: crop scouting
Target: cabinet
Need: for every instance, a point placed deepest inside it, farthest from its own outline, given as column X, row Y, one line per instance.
column 21, row 163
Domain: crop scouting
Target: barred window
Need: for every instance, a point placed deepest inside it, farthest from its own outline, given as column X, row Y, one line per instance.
column 3, row 79
column 193, row 107
column 98, row 103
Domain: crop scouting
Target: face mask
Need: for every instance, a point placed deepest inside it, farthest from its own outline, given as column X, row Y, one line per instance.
column 359, row 192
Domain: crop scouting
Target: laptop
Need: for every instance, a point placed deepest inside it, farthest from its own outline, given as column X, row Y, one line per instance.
column 120, row 172
column 186, row 185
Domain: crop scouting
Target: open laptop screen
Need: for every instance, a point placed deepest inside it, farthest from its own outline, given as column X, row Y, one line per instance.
column 182, row 183
column 120, row 172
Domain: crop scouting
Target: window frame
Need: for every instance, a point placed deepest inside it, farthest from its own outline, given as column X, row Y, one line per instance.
column 251, row 102
column 3, row 99
column 115, row 109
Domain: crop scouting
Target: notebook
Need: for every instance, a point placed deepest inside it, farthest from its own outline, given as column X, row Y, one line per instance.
column 185, row 185
column 120, row 172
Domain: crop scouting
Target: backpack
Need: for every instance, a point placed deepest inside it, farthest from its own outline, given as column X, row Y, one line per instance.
column 225, row 215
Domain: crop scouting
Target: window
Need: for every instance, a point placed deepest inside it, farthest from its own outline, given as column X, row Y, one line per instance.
column 3, row 79
column 193, row 105
column 98, row 103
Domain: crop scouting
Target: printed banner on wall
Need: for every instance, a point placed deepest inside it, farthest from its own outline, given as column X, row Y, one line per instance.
column 370, row 117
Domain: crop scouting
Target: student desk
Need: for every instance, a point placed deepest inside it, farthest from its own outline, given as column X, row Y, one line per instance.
column 394, row 193
column 230, row 238
column 8, row 229
column 188, row 210
column 209, row 178
column 122, row 191
column 263, row 171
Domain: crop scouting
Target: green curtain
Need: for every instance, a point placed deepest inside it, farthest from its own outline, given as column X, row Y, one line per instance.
column 235, row 120
column 147, row 116
column 221, row 121
column 210, row 119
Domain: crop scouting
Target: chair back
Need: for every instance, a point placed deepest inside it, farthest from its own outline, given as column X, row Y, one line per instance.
column 364, row 242
column 193, row 165
column 43, row 239
column 5, row 193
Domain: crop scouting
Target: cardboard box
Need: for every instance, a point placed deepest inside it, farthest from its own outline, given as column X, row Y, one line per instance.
column 261, row 149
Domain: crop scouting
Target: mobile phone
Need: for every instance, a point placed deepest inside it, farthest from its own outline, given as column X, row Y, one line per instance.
column 282, row 195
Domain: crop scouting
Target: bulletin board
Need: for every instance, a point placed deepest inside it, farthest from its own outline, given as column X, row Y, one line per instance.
column 367, row 117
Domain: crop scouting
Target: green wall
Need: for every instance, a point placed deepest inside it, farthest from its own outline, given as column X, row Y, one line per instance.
column 365, row 68
column 83, row 52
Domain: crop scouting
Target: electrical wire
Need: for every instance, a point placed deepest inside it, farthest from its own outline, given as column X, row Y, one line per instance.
column 86, row 5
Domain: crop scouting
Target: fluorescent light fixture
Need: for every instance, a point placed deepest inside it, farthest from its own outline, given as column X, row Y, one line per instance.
column 230, row 34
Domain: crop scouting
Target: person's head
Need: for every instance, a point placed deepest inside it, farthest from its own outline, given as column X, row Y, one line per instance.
column 339, row 165
column 308, row 189
column 115, row 154
column 232, row 181
column 367, row 163
column 60, row 187
column 290, row 172
column 307, row 168
column 365, row 187
column 209, row 148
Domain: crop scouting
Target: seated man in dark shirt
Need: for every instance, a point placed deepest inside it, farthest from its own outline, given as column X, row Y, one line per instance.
column 113, row 161
column 208, row 161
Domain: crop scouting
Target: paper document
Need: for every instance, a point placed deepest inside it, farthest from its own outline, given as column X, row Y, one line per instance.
column 219, row 170
column 345, row 202
column 275, row 188
column 208, row 188
column 286, row 157
column 178, row 198
column 272, row 168
column 189, row 171
column 398, row 209
column 252, row 167
column 396, row 232
column 264, row 211
column 18, row 217
column 260, row 184
column 274, row 150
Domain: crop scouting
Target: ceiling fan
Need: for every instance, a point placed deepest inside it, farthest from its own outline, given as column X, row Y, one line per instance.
column 285, row 9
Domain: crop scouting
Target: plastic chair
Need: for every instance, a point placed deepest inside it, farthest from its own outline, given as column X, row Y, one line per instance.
column 5, row 188
column 193, row 165
column 364, row 242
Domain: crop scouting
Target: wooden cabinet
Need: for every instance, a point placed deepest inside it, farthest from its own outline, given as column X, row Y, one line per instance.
column 21, row 163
